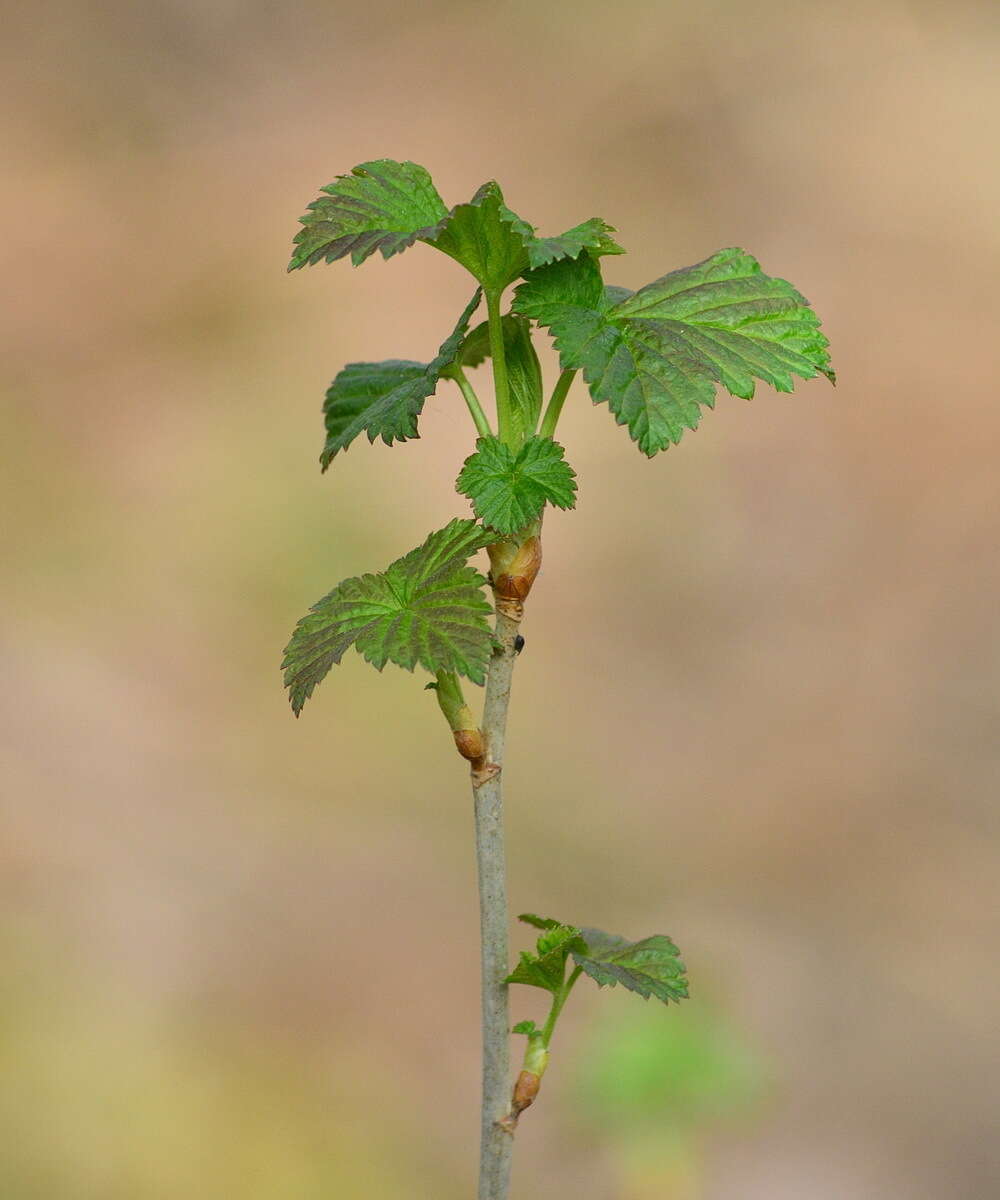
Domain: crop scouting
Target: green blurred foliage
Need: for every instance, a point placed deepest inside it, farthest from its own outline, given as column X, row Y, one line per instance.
column 656, row 1073
column 656, row 1086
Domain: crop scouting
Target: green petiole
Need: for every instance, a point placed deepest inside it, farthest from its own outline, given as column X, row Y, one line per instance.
column 555, row 405
column 498, row 352
column 558, row 1000
column 479, row 418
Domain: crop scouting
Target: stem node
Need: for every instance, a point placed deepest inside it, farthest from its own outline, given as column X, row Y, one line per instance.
column 483, row 772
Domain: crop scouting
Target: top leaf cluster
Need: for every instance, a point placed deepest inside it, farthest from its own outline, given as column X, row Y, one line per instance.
column 387, row 206
column 655, row 357
column 650, row 967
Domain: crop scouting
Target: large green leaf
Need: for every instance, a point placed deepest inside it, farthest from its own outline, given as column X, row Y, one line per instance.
column 656, row 356
column 509, row 489
column 384, row 399
column 427, row 609
column 383, row 205
column 651, row 967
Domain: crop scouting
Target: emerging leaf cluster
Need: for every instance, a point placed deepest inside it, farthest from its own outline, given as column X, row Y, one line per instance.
column 546, row 967
column 387, row 206
column 655, row 356
column 650, row 967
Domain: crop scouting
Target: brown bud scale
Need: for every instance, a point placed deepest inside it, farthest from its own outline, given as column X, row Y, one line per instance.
column 525, row 1091
column 469, row 743
column 514, row 583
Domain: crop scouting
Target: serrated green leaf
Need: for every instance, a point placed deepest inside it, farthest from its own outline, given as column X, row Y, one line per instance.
column 656, row 356
column 383, row 205
column 725, row 311
column 486, row 238
column 560, row 937
column 508, row 490
column 539, row 922
column 651, row 967
column 546, row 968
column 426, row 608
column 593, row 235
column 385, row 399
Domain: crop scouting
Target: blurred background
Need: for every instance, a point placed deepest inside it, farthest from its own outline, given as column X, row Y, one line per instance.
column 758, row 705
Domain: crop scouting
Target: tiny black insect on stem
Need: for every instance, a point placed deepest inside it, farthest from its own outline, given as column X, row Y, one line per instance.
column 518, row 644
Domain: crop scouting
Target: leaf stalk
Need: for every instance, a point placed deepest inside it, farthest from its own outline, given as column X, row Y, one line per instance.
column 465, row 729
column 505, row 420
column 558, row 1000
column 555, row 406
column 479, row 417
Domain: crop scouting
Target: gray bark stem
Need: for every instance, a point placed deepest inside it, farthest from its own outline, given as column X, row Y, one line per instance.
column 497, row 1143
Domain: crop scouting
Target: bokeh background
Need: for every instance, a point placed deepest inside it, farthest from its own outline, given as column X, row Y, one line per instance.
column 758, row 705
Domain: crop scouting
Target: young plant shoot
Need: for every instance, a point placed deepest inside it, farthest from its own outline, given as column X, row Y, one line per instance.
column 656, row 357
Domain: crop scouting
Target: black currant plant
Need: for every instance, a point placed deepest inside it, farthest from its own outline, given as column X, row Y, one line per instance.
column 655, row 357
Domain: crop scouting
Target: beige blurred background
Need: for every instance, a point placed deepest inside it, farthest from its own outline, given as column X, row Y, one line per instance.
column 758, row 704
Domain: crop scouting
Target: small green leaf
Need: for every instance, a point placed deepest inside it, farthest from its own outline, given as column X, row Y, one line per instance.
column 486, row 238
column 539, row 922
column 656, row 356
column 546, row 968
column 509, row 490
column 426, row 608
column 383, row 205
column 593, row 235
column 526, row 1027
column 384, row 399
column 651, row 967
column 524, row 377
